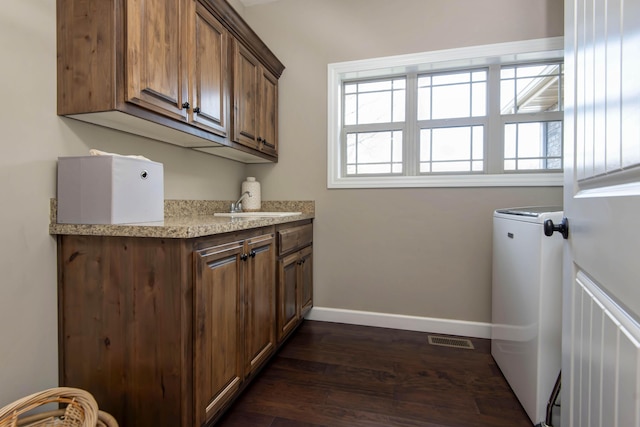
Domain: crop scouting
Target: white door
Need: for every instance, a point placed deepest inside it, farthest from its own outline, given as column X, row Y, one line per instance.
column 601, row 289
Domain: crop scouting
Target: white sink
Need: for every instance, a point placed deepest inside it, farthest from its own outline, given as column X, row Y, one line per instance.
column 256, row 214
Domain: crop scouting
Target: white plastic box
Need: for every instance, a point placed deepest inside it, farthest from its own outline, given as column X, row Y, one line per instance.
column 109, row 190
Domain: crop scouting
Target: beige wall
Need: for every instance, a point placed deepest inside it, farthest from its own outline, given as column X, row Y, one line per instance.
column 423, row 252
column 31, row 139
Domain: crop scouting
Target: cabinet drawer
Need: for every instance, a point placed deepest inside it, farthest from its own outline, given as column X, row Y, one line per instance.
column 294, row 238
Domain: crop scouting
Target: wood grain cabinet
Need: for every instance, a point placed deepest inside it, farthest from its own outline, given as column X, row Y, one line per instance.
column 156, row 55
column 163, row 69
column 210, row 73
column 234, row 319
column 255, row 103
column 166, row 332
column 295, row 276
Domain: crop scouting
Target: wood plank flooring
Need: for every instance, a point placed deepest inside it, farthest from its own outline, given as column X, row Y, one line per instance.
column 337, row 375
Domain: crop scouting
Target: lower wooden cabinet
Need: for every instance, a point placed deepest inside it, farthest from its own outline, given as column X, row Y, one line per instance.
column 295, row 276
column 166, row 332
column 234, row 299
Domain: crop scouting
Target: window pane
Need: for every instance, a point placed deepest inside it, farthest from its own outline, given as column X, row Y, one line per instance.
column 374, row 107
column 424, row 103
column 374, row 147
column 374, row 169
column 452, row 149
column 399, row 104
column 479, row 76
column 351, row 148
column 451, row 101
column 507, row 96
column 478, row 142
column 479, row 100
column 554, row 139
column 537, row 70
column 510, row 141
column 450, row 96
column 507, row 73
column 451, row 144
column 554, row 164
column 374, row 152
column 447, row 79
column 374, row 102
column 509, row 165
column 533, row 146
column 374, row 86
column 350, row 110
column 451, row 167
column 425, row 145
column 529, row 140
column 531, row 88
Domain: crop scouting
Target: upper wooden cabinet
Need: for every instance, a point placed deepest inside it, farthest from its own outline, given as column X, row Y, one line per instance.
column 210, row 73
column 255, row 103
column 157, row 55
column 164, row 69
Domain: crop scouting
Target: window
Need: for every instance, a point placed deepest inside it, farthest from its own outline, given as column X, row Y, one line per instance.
column 481, row 116
column 531, row 107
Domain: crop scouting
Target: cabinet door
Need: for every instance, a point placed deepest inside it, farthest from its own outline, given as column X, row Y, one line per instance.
column 156, row 77
column 305, row 284
column 218, row 300
column 287, row 294
column 260, row 301
column 268, row 131
column 210, row 73
column 246, row 74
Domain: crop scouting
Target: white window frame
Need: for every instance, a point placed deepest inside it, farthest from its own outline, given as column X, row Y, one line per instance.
column 547, row 49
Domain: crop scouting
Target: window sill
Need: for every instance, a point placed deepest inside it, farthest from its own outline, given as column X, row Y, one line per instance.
column 502, row 180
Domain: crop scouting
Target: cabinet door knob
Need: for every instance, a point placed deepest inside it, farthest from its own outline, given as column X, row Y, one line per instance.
column 260, row 139
column 252, row 254
column 196, row 110
column 244, row 257
column 185, row 105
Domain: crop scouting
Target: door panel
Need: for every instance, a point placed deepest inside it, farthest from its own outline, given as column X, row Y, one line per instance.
column 246, row 117
column 306, row 280
column 218, row 360
column 601, row 296
column 210, row 74
column 287, row 295
column 269, row 113
column 260, row 301
column 156, row 78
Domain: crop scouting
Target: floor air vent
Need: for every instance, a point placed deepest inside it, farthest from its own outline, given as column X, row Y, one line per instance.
column 451, row 342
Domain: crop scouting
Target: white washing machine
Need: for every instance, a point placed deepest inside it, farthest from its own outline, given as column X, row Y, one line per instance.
column 526, row 304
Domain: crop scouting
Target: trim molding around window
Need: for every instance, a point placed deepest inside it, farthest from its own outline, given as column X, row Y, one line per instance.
column 528, row 51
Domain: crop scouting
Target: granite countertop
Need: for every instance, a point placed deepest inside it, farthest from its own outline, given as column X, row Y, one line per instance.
column 187, row 219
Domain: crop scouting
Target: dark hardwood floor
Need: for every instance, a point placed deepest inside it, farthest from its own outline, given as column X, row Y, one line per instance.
column 331, row 374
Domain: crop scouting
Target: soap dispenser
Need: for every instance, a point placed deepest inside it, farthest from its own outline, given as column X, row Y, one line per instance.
column 253, row 203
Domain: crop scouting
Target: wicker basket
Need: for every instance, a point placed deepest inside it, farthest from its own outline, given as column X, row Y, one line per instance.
column 81, row 410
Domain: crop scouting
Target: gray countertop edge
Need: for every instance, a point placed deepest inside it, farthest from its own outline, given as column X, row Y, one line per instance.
column 191, row 224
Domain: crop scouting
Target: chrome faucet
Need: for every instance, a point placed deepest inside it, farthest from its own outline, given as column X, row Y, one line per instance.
column 237, row 206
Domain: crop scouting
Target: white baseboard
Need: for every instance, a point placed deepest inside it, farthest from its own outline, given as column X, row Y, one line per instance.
column 400, row 321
